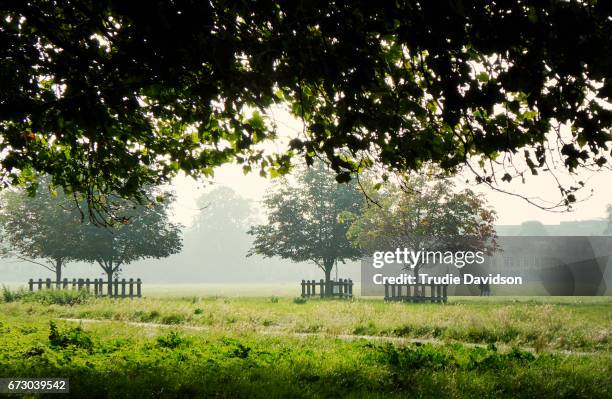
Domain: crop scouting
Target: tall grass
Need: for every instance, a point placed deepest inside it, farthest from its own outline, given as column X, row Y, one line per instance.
column 46, row 297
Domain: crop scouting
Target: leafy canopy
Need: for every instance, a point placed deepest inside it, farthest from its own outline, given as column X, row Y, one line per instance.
column 114, row 95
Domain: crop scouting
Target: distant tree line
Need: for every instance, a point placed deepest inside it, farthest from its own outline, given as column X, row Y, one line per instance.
column 310, row 217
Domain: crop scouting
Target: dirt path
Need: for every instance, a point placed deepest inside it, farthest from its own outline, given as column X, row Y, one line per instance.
column 345, row 337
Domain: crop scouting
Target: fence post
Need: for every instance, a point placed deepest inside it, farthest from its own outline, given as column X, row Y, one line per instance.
column 323, row 289
column 48, row 283
column 432, row 293
column 138, row 288
column 65, row 284
column 74, row 282
column 131, row 288
column 386, row 291
column 87, row 282
column 444, row 293
column 122, row 288
column 303, row 288
column 31, row 284
column 350, row 291
column 116, row 287
column 80, row 284
column 40, row 284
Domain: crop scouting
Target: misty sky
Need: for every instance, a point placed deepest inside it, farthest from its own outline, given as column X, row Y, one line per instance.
column 511, row 210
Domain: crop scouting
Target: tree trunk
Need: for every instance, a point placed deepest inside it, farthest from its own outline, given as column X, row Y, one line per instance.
column 108, row 268
column 329, row 266
column 58, row 273
column 109, row 279
column 417, row 288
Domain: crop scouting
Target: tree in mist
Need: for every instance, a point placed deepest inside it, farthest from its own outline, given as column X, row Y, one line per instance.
column 219, row 232
column 417, row 213
column 222, row 208
column 145, row 232
column 43, row 228
column 533, row 228
column 304, row 221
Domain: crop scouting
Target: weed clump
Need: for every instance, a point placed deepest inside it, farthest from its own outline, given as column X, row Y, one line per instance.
column 63, row 338
column 147, row 316
column 366, row 329
column 172, row 340
column 174, row 318
column 9, row 295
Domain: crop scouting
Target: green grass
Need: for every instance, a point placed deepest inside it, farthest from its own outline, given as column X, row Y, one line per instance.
column 581, row 324
column 273, row 347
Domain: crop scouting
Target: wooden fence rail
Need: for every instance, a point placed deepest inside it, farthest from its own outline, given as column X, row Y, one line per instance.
column 342, row 288
column 416, row 293
column 118, row 288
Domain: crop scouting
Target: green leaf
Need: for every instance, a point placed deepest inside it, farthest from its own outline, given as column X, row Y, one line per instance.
column 483, row 77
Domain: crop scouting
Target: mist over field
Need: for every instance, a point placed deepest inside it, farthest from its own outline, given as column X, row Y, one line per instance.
column 215, row 246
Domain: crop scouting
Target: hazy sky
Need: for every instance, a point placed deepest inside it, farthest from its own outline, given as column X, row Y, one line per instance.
column 511, row 210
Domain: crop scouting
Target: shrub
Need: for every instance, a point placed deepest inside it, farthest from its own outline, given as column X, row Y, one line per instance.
column 198, row 311
column 299, row 300
column 172, row 340
column 274, row 299
column 69, row 336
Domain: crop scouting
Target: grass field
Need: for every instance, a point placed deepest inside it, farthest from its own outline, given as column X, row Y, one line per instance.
column 219, row 346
